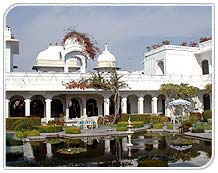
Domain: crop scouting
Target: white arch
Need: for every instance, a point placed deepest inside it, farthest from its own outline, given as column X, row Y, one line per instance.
column 74, row 52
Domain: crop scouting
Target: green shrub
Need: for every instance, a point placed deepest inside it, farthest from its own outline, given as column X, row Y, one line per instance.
column 157, row 125
column 72, row 130
column 135, row 117
column 49, row 128
column 135, row 124
column 24, row 134
column 207, row 126
column 21, row 125
column 24, row 122
column 20, row 134
column 207, row 114
column 170, row 126
column 193, row 119
column 121, row 128
column 197, row 130
column 33, row 133
column 203, row 125
column 156, row 119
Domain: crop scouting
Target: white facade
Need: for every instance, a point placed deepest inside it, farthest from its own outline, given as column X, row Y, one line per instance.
column 177, row 60
column 43, row 94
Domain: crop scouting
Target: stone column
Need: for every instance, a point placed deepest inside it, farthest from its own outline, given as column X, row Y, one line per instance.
column 84, row 110
column 84, row 106
column 48, row 109
column 124, row 105
column 67, row 112
column 106, row 106
column 154, row 105
column 140, row 105
column 100, row 108
column 27, row 107
column 167, row 109
column 7, row 110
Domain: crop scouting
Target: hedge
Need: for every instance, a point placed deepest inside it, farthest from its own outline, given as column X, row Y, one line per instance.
column 157, row 125
column 197, row 130
column 72, row 130
column 22, row 123
column 146, row 118
column 121, row 128
column 170, row 126
column 135, row 124
column 24, row 134
column 49, row 128
column 202, row 125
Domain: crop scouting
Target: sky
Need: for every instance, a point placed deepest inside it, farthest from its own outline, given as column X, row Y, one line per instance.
column 127, row 30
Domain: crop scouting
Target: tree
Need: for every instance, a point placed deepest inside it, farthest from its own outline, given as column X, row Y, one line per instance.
column 102, row 81
column 182, row 91
column 116, row 84
column 84, row 39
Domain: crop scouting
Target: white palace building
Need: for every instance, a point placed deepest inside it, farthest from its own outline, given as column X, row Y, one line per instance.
column 42, row 93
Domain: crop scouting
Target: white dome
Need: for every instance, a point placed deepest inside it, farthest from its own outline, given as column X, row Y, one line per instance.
column 106, row 56
column 106, row 61
column 52, row 53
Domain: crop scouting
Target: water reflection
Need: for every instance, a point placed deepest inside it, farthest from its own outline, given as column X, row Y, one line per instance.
column 111, row 151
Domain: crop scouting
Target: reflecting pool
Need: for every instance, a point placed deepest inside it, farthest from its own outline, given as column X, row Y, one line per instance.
column 148, row 150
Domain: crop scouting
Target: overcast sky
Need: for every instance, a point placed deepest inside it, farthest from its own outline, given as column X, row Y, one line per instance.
column 128, row 30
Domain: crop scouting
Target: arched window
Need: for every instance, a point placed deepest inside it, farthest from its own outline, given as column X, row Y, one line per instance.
column 37, row 108
column 160, row 68
column 91, row 108
column 147, row 103
column 205, row 67
column 74, row 109
column 161, row 104
column 56, row 107
column 132, row 104
column 17, row 106
column 206, row 100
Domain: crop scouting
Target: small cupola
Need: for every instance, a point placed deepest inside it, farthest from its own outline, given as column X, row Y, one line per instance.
column 106, row 61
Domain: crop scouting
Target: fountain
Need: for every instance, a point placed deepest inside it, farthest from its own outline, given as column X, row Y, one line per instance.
column 130, row 132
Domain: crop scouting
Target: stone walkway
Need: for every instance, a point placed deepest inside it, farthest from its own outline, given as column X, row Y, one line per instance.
column 200, row 135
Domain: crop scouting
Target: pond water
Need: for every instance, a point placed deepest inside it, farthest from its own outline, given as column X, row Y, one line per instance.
column 148, row 150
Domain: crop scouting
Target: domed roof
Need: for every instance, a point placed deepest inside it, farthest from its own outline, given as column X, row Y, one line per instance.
column 106, row 61
column 52, row 53
column 106, row 56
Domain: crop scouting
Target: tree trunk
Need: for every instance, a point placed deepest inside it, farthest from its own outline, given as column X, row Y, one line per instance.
column 116, row 106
